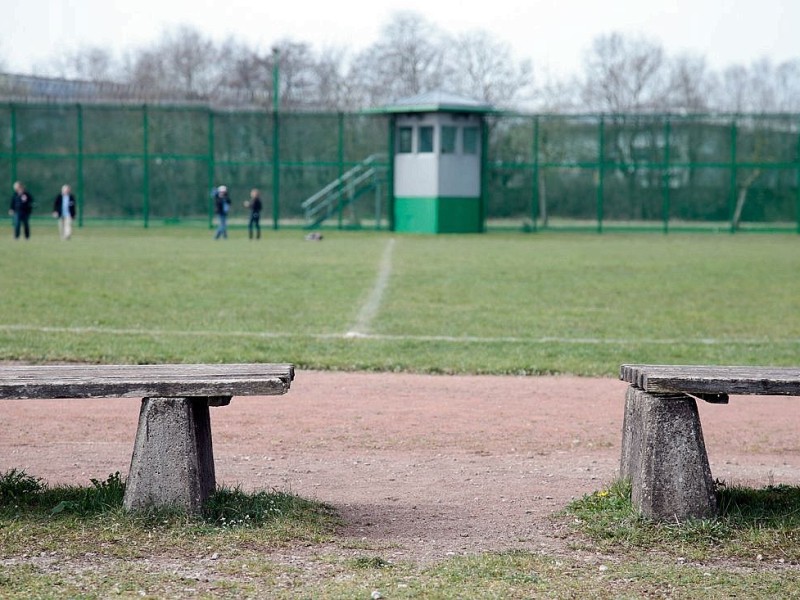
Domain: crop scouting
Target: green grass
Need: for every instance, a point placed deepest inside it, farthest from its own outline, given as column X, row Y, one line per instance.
column 498, row 303
column 74, row 541
column 26, row 503
column 753, row 524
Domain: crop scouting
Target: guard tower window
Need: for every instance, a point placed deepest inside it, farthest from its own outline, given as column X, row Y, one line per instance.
column 449, row 139
column 470, row 140
column 425, row 139
column 405, row 139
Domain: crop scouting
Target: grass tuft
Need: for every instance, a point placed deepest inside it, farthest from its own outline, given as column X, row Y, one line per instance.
column 16, row 486
column 752, row 522
column 232, row 507
column 369, row 562
column 26, row 498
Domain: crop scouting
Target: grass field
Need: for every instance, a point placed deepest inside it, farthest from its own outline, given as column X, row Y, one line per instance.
column 497, row 303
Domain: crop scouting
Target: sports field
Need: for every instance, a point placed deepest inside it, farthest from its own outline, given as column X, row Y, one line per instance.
column 433, row 487
column 497, row 303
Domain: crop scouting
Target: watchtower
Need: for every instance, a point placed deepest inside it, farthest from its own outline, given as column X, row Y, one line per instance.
column 437, row 163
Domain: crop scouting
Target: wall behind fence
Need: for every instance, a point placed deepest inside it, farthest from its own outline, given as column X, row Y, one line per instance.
column 158, row 164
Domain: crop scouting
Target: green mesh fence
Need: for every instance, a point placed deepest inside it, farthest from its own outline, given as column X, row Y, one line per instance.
column 645, row 171
column 158, row 164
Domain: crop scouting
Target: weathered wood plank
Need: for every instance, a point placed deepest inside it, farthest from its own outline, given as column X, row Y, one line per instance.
column 699, row 379
column 143, row 381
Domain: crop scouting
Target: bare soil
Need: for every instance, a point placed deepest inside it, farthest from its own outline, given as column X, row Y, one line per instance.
column 428, row 466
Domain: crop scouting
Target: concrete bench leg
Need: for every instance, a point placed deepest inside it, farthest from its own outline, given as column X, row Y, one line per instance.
column 664, row 456
column 173, row 462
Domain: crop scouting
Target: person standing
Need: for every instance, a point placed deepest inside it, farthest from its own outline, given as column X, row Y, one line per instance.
column 223, row 207
column 64, row 211
column 20, row 209
column 255, row 206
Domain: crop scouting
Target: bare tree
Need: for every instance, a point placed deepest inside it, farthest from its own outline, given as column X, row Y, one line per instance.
column 182, row 60
column 557, row 94
column 408, row 60
column 623, row 74
column 190, row 60
column 245, row 74
column 689, row 84
column 759, row 88
column 297, row 74
column 482, row 67
column 90, row 63
column 144, row 70
column 334, row 90
column 732, row 95
column 787, row 86
column 774, row 88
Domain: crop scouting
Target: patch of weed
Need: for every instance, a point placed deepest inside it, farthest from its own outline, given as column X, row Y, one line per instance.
column 752, row 522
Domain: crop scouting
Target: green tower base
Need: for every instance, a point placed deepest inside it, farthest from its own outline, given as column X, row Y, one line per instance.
column 438, row 215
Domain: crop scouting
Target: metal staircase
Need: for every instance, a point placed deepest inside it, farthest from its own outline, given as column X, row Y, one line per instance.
column 366, row 176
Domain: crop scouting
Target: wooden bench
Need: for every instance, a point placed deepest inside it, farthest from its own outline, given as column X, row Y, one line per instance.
column 173, row 461
column 663, row 452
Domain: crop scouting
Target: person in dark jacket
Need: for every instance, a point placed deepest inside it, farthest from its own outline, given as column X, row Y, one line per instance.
column 223, row 207
column 64, row 211
column 20, row 209
column 255, row 206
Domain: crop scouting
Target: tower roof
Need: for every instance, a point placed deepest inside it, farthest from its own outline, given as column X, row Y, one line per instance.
column 438, row 101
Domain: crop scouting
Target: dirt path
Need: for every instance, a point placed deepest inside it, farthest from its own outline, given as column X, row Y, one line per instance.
column 427, row 465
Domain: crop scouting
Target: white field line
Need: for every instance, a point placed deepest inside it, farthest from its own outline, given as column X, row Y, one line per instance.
column 370, row 308
column 391, row 338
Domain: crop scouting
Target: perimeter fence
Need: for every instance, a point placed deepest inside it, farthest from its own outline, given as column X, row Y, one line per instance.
column 157, row 164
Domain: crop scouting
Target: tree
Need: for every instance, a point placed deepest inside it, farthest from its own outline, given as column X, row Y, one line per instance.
column 298, row 74
column 787, row 84
column 623, row 74
column 483, row 68
column 143, row 70
column 409, row 59
column 245, row 73
column 190, row 61
column 89, row 63
column 689, row 84
column 732, row 92
column 182, row 61
column 334, row 90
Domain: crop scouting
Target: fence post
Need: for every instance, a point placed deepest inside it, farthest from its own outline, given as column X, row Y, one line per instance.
column 390, row 174
column 665, row 207
column 340, row 159
column 276, row 152
column 211, row 168
column 797, row 189
column 13, row 143
column 80, row 165
column 484, row 205
column 733, row 174
column 535, row 174
column 600, row 172
column 146, row 170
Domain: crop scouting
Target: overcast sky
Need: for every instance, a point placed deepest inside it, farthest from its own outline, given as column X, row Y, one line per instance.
column 552, row 33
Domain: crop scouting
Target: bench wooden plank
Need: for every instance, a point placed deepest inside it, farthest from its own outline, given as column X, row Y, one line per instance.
column 697, row 379
column 143, row 381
